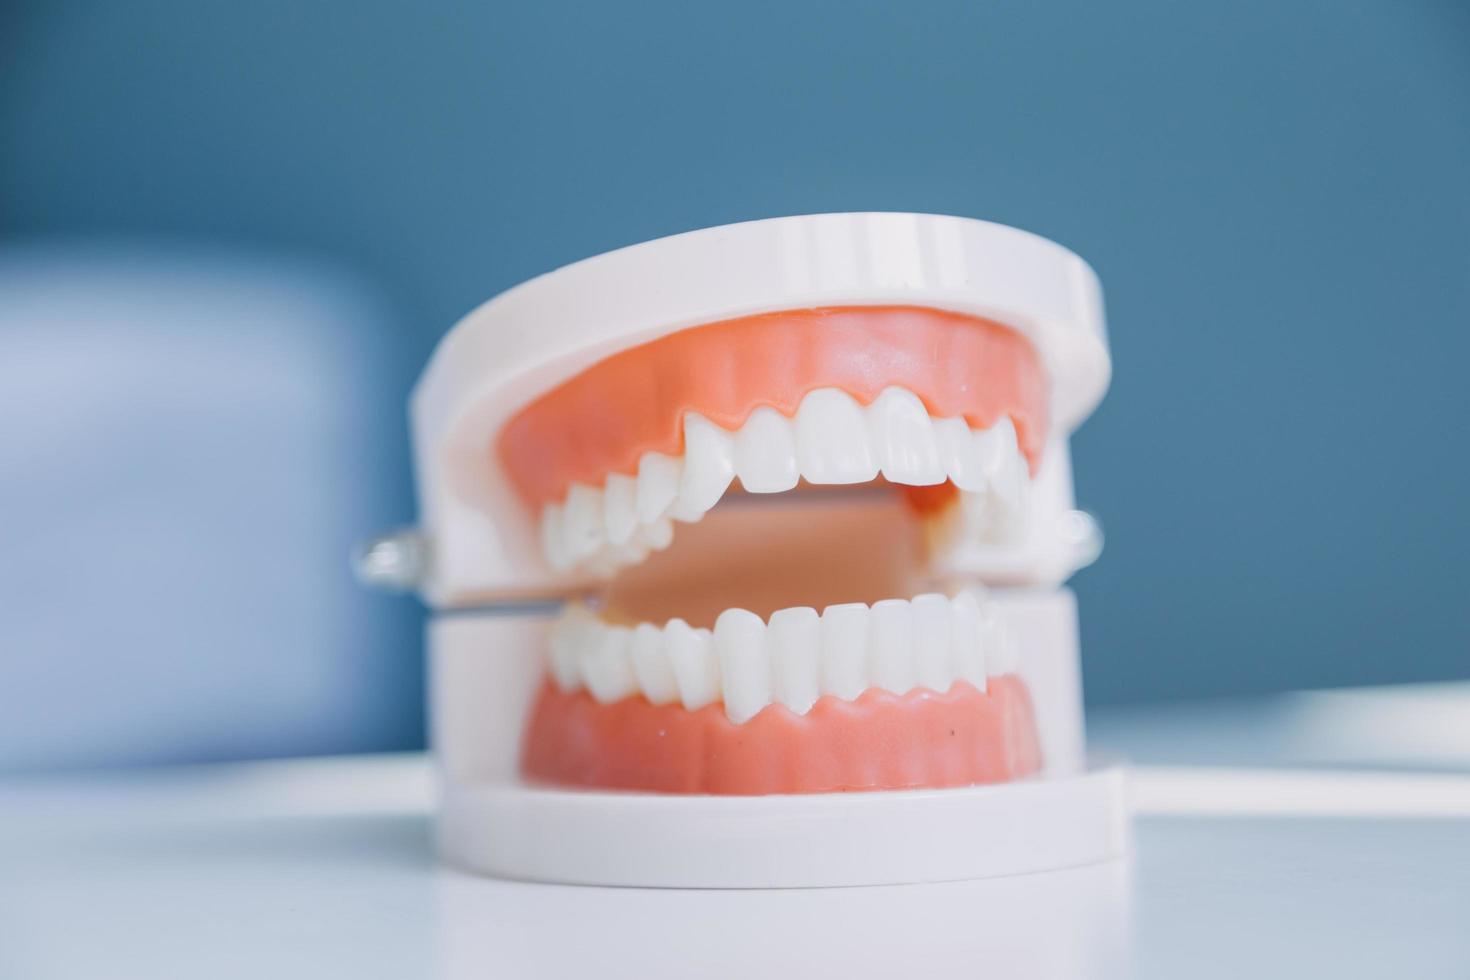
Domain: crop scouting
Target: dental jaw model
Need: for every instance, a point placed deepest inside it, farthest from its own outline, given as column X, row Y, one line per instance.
column 804, row 487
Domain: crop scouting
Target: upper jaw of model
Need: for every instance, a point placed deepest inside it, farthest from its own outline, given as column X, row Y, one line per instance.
column 830, row 397
column 514, row 506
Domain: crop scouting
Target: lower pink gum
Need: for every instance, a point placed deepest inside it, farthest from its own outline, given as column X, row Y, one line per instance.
column 880, row 741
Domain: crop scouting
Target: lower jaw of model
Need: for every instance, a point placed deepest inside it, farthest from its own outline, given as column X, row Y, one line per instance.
column 764, row 508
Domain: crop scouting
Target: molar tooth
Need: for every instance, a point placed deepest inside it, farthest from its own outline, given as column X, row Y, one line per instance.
column 932, row 665
column 656, row 536
column 959, row 454
column 964, row 634
column 765, row 452
column 845, row 650
column 651, row 664
column 582, row 527
column 709, row 466
column 606, row 669
column 904, row 438
column 796, row 649
column 692, row 657
column 658, row 485
column 832, row 442
column 571, row 631
column 745, row 664
column 552, row 545
column 619, row 513
column 891, row 646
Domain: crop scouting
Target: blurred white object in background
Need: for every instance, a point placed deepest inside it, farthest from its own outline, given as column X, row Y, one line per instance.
column 188, row 447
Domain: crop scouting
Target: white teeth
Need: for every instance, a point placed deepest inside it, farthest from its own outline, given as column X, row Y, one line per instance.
column 1008, row 485
column 709, row 466
column 966, row 653
column 582, row 533
column 745, row 665
column 658, row 485
column 904, row 439
column 658, row 535
column 891, row 646
column 551, row 546
column 572, row 631
column 795, row 637
column 692, row 657
column 619, row 512
column 999, row 646
column 994, row 444
column 959, row 454
column 651, row 664
column 932, row 664
column 994, row 507
column 831, row 440
column 606, row 669
column 845, row 650
column 895, row 645
column 832, row 443
column 765, row 452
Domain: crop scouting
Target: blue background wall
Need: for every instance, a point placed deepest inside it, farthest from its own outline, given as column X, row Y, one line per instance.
column 1275, row 196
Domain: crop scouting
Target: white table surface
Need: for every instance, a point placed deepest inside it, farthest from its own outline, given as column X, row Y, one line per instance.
column 1310, row 849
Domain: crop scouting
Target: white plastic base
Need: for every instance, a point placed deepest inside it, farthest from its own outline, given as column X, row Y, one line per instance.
column 485, row 670
column 647, row 840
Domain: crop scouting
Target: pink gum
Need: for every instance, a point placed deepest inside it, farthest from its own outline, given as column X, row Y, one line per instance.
column 880, row 741
column 603, row 420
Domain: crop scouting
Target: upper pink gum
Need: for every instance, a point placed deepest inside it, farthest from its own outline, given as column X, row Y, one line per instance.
column 604, row 419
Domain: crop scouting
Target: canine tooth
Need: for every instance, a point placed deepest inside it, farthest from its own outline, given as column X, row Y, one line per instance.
column 765, row 452
column 964, row 635
column 606, row 669
column 994, row 444
column 619, row 513
column 709, row 466
column 959, row 454
column 692, row 658
column 796, row 650
column 551, row 538
column 569, row 633
column 651, row 664
column 932, row 665
column 1008, row 491
column 904, row 438
column 1001, row 655
column 658, row 535
column 582, row 527
column 657, row 486
column 745, row 664
column 845, row 650
column 891, row 646
column 832, row 442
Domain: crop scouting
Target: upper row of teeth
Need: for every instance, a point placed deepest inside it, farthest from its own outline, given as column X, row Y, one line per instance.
column 832, row 439
column 795, row 658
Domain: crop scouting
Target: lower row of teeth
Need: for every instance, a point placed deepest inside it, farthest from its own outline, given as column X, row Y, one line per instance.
column 831, row 440
column 896, row 645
